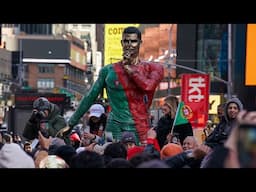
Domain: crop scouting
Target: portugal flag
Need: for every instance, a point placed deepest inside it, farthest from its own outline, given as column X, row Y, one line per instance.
column 181, row 125
column 183, row 113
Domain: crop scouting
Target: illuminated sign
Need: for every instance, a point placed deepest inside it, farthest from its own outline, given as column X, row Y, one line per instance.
column 250, row 67
column 214, row 101
column 28, row 99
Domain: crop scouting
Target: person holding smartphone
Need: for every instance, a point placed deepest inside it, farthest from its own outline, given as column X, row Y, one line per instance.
column 242, row 143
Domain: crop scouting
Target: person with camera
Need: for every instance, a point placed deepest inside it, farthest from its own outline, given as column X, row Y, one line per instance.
column 46, row 118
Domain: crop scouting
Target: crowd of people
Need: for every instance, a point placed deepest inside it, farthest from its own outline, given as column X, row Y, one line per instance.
column 228, row 145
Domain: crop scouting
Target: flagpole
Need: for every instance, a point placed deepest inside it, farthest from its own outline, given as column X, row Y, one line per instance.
column 176, row 114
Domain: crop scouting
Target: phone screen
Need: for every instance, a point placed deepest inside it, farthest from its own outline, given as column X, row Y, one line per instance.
column 109, row 136
column 247, row 146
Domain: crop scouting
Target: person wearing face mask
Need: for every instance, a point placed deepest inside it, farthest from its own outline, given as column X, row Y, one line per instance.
column 45, row 117
column 130, row 86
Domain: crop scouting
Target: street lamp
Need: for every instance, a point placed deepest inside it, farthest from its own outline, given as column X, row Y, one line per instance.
column 172, row 54
column 229, row 85
column 21, row 66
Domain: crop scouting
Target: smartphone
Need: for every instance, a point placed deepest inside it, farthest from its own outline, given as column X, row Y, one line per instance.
column 108, row 136
column 44, row 126
column 247, row 146
column 175, row 138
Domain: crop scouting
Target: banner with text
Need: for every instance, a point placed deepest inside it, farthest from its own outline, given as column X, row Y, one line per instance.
column 195, row 94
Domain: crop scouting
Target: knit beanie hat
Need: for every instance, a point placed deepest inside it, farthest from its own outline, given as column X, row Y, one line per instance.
column 169, row 150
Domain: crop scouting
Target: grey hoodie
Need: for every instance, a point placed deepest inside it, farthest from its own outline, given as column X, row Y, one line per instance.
column 223, row 129
column 232, row 100
column 13, row 156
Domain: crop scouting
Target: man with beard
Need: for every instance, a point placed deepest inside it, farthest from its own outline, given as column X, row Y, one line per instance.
column 130, row 85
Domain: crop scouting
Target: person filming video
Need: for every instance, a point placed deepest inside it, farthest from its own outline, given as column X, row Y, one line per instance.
column 45, row 117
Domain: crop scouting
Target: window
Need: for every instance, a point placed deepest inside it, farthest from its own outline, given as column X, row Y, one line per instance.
column 46, row 68
column 77, row 57
column 45, row 83
column 212, row 49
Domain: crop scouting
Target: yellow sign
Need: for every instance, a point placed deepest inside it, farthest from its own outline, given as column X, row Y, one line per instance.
column 250, row 67
column 214, row 101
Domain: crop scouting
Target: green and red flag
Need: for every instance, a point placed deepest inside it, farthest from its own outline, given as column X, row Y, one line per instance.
column 183, row 114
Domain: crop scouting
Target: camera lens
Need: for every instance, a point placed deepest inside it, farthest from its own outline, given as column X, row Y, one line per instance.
column 40, row 114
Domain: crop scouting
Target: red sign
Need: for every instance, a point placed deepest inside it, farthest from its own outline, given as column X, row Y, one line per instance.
column 195, row 94
column 29, row 98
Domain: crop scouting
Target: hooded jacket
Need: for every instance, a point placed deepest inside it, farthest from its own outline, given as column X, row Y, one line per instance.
column 223, row 129
column 13, row 156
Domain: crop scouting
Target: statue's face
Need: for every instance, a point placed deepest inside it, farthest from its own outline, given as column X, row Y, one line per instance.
column 131, row 45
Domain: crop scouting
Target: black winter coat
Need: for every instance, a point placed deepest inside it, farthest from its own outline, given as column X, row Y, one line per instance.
column 164, row 127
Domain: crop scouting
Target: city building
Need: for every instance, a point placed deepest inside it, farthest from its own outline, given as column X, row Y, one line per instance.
column 39, row 29
column 87, row 33
column 44, row 62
